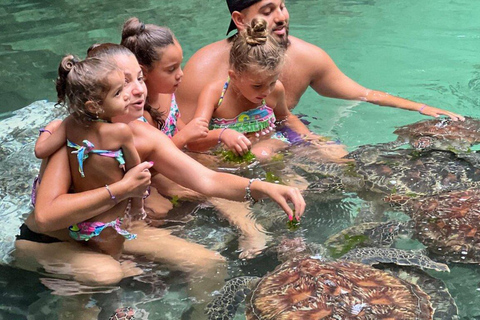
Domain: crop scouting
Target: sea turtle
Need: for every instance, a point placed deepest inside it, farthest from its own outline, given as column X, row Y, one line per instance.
column 406, row 172
column 309, row 286
column 367, row 234
column 440, row 134
column 447, row 224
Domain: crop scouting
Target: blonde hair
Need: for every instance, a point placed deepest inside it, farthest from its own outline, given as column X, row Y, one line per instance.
column 82, row 81
column 255, row 47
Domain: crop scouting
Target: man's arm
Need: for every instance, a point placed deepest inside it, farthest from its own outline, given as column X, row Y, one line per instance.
column 329, row 81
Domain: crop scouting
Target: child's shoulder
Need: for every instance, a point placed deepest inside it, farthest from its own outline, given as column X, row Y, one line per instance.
column 117, row 128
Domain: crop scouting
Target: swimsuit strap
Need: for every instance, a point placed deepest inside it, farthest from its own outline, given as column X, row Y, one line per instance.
column 225, row 87
column 170, row 125
column 83, row 151
column 143, row 119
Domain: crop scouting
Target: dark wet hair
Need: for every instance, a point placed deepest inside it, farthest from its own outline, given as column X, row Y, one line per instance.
column 144, row 40
column 82, row 81
column 254, row 48
column 107, row 50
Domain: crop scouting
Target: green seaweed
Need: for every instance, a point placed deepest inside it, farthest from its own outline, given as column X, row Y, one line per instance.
column 415, row 154
column 294, row 224
column 350, row 170
column 351, row 242
column 271, row 177
column 279, row 157
column 229, row 156
column 412, row 195
column 175, row 200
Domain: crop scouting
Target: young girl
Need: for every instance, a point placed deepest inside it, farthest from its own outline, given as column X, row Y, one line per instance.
column 245, row 108
column 93, row 91
column 160, row 56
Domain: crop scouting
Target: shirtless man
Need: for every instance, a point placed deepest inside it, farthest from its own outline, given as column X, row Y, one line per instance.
column 306, row 65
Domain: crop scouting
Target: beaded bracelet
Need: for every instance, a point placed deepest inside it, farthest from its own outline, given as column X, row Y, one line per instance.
column 220, row 135
column 44, row 130
column 248, row 192
column 112, row 196
column 421, row 108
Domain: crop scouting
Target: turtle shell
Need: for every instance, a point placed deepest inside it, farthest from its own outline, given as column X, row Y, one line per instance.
column 308, row 288
column 445, row 306
column 441, row 134
column 407, row 172
column 448, row 224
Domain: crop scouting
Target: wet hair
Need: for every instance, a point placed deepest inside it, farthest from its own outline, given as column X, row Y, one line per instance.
column 82, row 81
column 144, row 40
column 255, row 49
column 107, row 50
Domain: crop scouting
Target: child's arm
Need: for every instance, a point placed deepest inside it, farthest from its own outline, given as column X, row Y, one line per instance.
column 235, row 141
column 51, row 138
column 194, row 130
column 330, row 151
column 282, row 113
column 124, row 134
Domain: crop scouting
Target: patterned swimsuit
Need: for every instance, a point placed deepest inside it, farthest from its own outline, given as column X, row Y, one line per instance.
column 260, row 120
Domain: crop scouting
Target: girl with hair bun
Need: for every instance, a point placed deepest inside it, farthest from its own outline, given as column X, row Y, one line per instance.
column 160, row 56
column 93, row 90
column 243, row 111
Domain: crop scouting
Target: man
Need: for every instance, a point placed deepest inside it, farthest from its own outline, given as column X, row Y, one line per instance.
column 306, row 65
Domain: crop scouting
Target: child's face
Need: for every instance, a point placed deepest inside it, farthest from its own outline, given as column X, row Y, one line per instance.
column 166, row 74
column 117, row 98
column 255, row 86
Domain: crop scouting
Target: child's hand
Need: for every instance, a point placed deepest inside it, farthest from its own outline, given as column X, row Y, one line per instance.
column 237, row 142
column 137, row 180
column 195, row 129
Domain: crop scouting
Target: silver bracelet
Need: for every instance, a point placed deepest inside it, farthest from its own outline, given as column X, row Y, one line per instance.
column 248, row 192
column 112, row 196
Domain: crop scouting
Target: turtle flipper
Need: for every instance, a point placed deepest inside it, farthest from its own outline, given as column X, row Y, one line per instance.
column 225, row 305
column 415, row 258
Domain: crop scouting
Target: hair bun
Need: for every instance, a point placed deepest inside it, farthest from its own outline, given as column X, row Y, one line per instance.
column 257, row 32
column 132, row 27
column 68, row 62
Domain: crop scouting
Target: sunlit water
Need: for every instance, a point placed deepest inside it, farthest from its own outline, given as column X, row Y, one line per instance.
column 422, row 50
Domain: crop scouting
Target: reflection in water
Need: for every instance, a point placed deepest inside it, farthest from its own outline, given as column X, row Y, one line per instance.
column 158, row 289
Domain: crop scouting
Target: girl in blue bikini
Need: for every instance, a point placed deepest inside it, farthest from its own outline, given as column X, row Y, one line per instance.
column 244, row 109
column 93, row 91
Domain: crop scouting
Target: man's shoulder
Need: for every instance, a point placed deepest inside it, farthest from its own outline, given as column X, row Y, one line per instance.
column 300, row 46
column 212, row 50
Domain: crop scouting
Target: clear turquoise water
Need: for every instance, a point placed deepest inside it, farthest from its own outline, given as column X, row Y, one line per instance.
column 423, row 50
